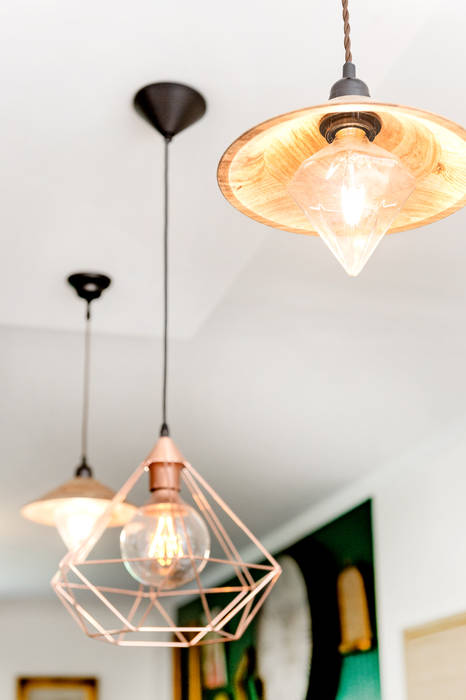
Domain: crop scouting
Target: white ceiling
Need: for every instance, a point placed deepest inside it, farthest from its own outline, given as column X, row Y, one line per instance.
column 289, row 378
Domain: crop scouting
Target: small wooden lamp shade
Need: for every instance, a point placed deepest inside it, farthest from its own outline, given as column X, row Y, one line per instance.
column 356, row 632
column 44, row 509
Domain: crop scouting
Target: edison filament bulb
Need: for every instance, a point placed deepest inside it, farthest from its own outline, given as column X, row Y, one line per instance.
column 166, row 544
column 352, row 191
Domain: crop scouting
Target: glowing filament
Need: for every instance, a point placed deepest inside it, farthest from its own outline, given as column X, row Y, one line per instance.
column 166, row 544
column 353, row 200
column 351, row 191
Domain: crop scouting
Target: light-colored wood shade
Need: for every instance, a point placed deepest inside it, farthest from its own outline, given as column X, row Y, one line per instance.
column 255, row 170
column 44, row 509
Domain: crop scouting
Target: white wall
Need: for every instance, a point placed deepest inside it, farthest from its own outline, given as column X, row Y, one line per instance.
column 420, row 542
column 40, row 638
column 420, row 545
column 419, row 527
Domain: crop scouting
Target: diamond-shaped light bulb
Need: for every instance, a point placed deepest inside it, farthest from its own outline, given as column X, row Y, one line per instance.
column 352, row 191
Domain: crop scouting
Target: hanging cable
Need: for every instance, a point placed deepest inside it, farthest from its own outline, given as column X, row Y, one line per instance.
column 347, row 30
column 84, row 469
column 164, row 429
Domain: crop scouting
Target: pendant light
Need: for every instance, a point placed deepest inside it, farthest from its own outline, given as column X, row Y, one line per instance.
column 350, row 170
column 75, row 506
column 182, row 540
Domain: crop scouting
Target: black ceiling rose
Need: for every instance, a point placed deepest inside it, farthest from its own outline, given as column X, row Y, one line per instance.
column 170, row 107
column 89, row 285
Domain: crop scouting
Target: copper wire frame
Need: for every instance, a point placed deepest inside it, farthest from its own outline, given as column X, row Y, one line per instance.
column 253, row 581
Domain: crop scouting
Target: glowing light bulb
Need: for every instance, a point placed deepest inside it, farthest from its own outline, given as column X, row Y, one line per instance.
column 352, row 191
column 166, row 543
column 76, row 517
column 352, row 203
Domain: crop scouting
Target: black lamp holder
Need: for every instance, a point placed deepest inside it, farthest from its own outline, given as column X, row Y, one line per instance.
column 349, row 86
column 369, row 122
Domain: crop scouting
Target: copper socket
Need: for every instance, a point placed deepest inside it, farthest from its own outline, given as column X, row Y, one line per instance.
column 165, row 475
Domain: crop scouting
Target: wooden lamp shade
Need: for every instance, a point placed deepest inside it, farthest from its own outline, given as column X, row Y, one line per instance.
column 43, row 510
column 256, row 169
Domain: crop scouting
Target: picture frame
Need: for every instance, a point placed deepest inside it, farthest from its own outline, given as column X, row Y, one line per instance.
column 56, row 688
column 434, row 659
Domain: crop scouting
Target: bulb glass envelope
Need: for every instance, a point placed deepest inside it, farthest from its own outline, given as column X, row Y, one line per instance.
column 351, row 191
column 110, row 605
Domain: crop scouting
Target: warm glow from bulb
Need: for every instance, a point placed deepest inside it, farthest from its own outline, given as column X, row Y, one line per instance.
column 352, row 191
column 166, row 544
column 353, row 200
column 76, row 517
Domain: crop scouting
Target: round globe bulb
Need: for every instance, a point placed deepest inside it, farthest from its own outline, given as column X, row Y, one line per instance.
column 352, row 191
column 166, row 543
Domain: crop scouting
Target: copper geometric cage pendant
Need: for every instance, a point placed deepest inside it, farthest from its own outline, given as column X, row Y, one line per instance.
column 109, row 604
column 184, row 541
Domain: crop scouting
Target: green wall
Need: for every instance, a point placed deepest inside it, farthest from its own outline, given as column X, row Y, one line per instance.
column 321, row 556
column 349, row 540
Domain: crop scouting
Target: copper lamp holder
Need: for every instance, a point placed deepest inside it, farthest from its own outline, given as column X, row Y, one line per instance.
column 165, row 463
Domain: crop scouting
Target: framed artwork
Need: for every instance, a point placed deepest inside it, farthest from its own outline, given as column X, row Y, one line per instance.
column 44, row 688
column 314, row 639
column 435, row 656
